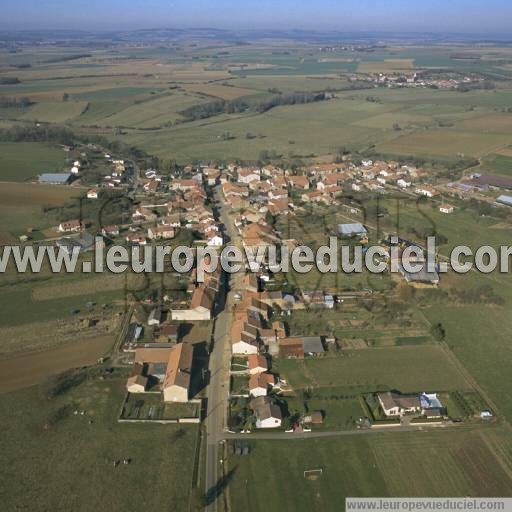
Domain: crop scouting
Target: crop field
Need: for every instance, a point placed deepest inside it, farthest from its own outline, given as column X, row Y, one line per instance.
column 20, row 161
column 465, row 462
column 21, row 206
column 68, row 460
column 24, row 370
column 54, row 112
column 385, row 66
column 407, row 368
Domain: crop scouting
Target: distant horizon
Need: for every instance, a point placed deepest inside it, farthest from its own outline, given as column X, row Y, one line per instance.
column 464, row 17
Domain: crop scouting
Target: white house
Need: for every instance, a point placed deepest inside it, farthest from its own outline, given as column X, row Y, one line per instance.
column 395, row 404
column 215, row 240
column 268, row 414
column 403, row 183
column 446, row 208
column 260, row 383
column 257, row 364
column 92, row 193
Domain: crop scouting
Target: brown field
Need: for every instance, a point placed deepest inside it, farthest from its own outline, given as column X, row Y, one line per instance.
column 445, row 143
column 25, row 370
column 224, row 92
column 487, row 123
column 386, row 65
column 47, row 335
column 89, row 285
column 34, row 195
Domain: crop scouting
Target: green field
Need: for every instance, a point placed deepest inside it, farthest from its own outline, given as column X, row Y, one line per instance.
column 23, row 160
column 455, row 463
column 61, row 461
column 406, row 369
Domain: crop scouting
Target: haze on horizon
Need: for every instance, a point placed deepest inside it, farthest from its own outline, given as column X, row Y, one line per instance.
column 456, row 16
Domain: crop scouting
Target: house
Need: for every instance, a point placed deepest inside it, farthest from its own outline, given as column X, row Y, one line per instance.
column 201, row 305
column 71, row 226
column 248, row 175
column 92, row 193
column 396, row 404
column 421, row 277
column 446, row 208
column 215, row 240
column 259, row 384
column 291, row 348
column 425, row 190
column 110, row 230
column 257, row 364
column 298, row 182
column 161, row 233
column 268, row 414
column 243, row 339
column 176, row 385
column 138, row 381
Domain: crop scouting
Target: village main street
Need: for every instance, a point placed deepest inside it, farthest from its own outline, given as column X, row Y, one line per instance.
column 218, row 388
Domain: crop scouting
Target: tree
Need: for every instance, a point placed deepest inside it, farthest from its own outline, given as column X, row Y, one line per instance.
column 438, row 332
column 65, row 97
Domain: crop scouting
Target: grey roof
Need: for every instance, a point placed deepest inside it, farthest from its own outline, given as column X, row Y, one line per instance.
column 264, row 408
column 421, row 276
column 48, row 177
column 505, row 199
column 312, row 344
column 351, row 229
column 85, row 242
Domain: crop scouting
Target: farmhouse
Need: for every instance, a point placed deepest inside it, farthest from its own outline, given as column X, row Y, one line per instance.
column 71, row 226
column 396, row 404
column 110, row 230
column 446, row 208
column 161, row 233
column 421, row 277
column 201, row 305
column 177, row 377
column 268, row 414
column 81, row 243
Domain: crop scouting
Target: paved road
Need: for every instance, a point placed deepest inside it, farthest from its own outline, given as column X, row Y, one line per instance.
column 218, row 388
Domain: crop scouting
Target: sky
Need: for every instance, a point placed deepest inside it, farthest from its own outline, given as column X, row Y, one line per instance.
column 456, row 16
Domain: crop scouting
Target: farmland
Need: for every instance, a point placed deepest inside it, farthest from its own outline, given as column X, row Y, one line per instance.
column 466, row 464
column 77, row 452
column 407, row 369
column 22, row 161
column 288, row 103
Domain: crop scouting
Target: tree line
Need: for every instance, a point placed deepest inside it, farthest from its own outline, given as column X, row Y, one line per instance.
column 215, row 108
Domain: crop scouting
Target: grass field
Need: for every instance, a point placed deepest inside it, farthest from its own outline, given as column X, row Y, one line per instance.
column 67, row 460
column 455, row 463
column 21, row 206
column 20, row 161
column 407, row 369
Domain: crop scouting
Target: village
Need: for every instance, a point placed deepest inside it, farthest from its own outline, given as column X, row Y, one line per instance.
column 169, row 334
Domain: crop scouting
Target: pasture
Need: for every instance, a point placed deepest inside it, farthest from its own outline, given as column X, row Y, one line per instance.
column 67, row 461
column 449, row 463
column 20, row 161
column 405, row 368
